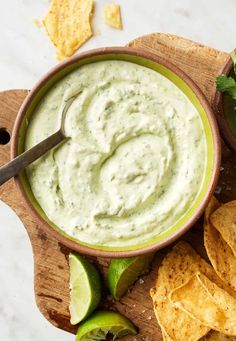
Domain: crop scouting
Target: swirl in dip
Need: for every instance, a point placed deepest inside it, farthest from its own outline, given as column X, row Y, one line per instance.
column 134, row 161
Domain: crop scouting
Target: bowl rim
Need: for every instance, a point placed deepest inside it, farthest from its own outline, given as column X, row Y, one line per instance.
column 215, row 135
column 217, row 104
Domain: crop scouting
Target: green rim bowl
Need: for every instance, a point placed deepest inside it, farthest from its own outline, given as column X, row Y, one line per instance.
column 185, row 84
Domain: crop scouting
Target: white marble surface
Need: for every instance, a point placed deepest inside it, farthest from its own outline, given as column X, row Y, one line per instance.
column 25, row 55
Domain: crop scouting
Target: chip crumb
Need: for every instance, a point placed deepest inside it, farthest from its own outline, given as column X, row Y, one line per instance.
column 149, row 318
column 97, row 32
column 68, row 25
column 218, row 190
column 141, row 281
column 38, row 23
column 112, row 16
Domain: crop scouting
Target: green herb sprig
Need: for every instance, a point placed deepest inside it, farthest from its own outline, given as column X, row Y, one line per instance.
column 228, row 84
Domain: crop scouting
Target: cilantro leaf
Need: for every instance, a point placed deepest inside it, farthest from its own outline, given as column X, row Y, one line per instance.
column 226, row 84
column 233, row 56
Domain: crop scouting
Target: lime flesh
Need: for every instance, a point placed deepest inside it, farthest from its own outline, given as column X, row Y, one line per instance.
column 85, row 285
column 101, row 323
column 122, row 273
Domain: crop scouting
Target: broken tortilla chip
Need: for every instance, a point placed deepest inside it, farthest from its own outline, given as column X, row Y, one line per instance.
column 203, row 300
column 219, row 252
column 112, row 16
column 165, row 336
column 68, row 24
column 224, row 220
column 178, row 266
column 216, row 336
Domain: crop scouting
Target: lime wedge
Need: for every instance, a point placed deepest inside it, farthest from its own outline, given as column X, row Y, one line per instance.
column 122, row 273
column 101, row 323
column 85, row 285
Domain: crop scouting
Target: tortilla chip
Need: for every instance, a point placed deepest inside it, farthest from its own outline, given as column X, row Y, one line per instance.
column 165, row 336
column 216, row 336
column 224, row 220
column 177, row 268
column 68, row 24
column 213, row 205
column 181, row 262
column 203, row 300
column 219, row 252
column 112, row 16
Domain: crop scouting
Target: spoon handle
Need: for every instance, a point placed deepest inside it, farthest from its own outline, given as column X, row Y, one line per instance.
column 23, row 160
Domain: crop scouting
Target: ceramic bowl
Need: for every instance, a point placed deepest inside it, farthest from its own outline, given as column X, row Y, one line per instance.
column 224, row 108
column 190, row 90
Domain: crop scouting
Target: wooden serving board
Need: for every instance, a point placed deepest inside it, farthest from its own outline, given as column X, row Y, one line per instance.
column 202, row 64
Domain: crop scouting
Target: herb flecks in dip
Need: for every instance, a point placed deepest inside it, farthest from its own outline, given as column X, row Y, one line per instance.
column 134, row 161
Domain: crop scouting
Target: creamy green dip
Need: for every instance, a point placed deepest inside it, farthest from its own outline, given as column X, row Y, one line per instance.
column 134, row 161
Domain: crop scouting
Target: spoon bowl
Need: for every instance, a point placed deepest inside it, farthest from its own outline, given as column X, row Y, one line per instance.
column 20, row 162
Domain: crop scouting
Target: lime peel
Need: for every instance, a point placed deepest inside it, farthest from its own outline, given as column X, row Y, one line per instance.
column 101, row 323
column 122, row 273
column 86, row 288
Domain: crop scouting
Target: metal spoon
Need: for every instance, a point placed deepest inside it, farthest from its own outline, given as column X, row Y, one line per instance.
column 23, row 160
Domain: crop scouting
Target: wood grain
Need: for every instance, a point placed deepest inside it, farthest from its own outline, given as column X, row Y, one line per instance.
column 199, row 62
column 51, row 258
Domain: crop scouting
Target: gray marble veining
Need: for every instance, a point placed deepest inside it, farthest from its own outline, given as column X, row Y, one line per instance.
column 26, row 53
